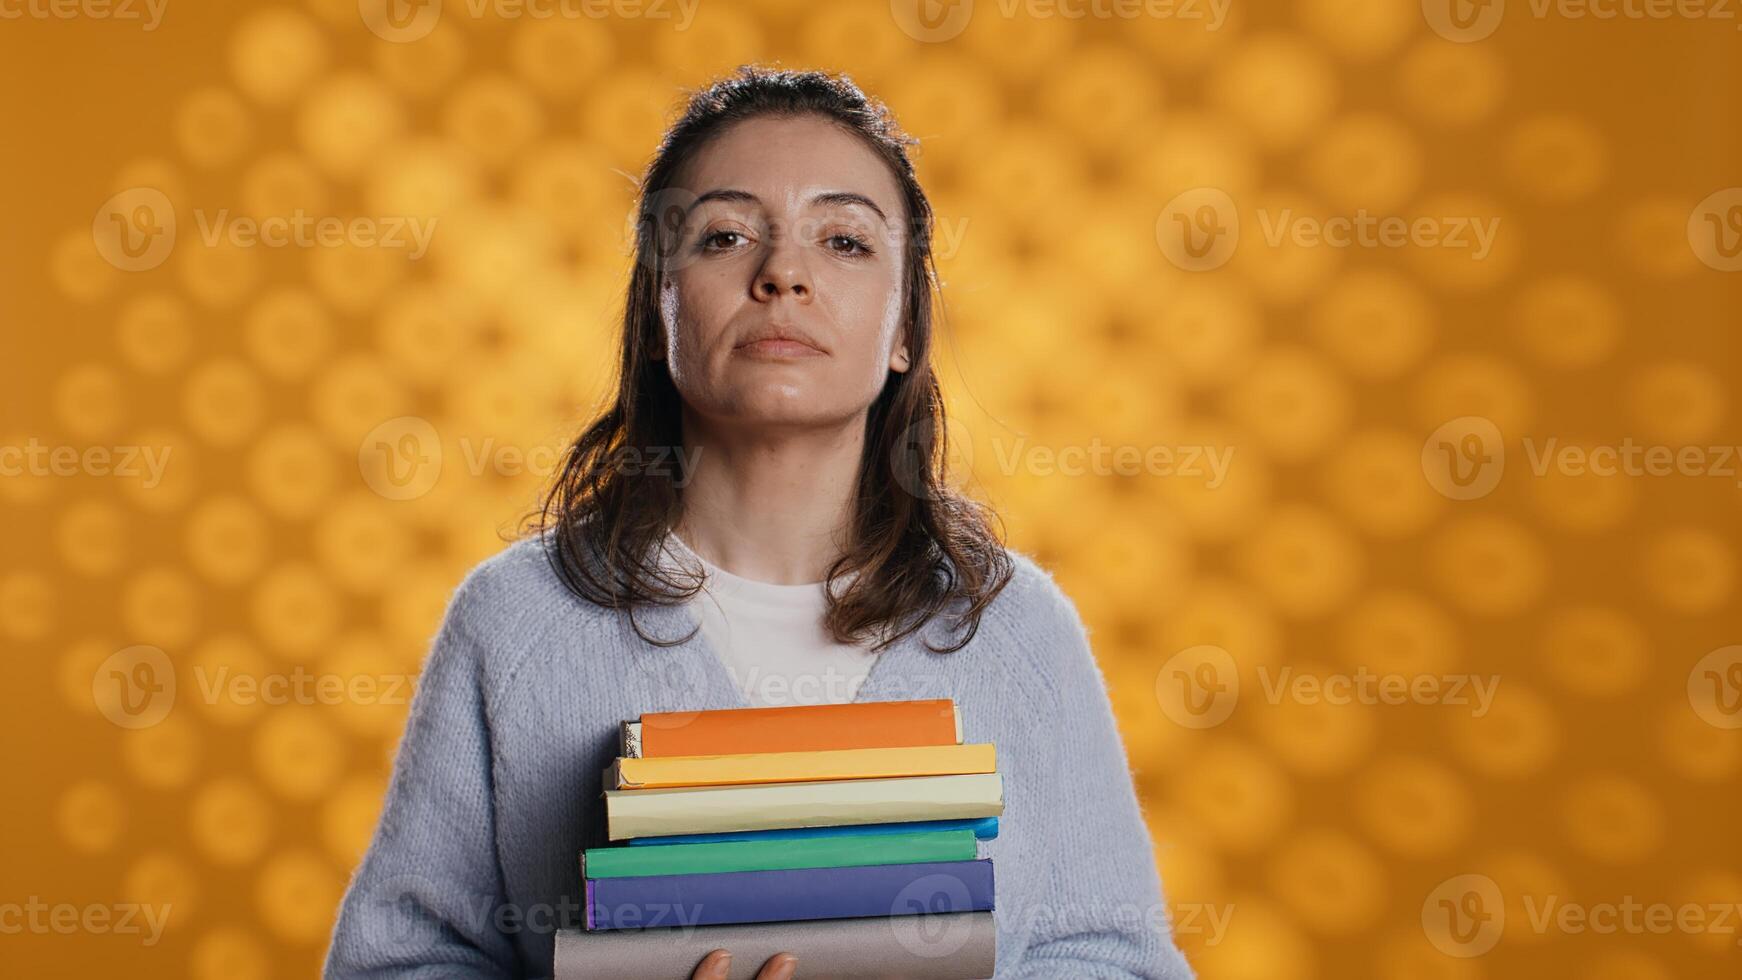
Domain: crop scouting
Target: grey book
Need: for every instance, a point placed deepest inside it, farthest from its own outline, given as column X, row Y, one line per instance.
column 941, row 946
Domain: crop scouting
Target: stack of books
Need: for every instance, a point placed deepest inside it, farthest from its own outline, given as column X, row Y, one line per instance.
column 847, row 834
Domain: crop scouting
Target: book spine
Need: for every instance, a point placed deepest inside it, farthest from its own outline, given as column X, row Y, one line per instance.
column 714, row 809
column 947, row 946
column 798, row 767
column 771, row 855
column 792, row 895
column 800, row 728
column 629, row 740
column 984, row 828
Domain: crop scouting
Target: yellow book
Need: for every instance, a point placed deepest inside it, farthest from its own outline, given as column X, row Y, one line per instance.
column 799, row 767
column 631, row 813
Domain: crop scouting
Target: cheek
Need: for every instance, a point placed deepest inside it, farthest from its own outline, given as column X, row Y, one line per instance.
column 694, row 311
column 867, row 308
column 887, row 327
column 893, row 309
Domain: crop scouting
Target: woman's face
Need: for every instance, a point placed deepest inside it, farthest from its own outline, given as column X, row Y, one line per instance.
column 782, row 301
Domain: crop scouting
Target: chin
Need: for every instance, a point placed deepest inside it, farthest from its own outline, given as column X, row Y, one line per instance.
column 782, row 400
column 787, row 403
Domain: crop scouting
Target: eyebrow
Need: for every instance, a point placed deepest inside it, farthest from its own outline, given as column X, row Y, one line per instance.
column 848, row 197
column 826, row 197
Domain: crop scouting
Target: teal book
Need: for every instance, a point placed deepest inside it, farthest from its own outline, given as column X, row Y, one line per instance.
column 771, row 855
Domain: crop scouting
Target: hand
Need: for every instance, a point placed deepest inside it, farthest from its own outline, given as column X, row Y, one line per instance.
column 780, row 966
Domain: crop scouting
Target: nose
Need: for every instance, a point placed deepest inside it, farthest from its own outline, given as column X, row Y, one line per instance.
column 782, row 273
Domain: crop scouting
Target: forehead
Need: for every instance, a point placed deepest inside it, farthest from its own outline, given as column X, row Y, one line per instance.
column 786, row 160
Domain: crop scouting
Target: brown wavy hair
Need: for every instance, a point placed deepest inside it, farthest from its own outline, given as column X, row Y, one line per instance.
column 917, row 546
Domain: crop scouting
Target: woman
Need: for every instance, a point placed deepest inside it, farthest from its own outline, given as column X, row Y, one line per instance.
column 773, row 426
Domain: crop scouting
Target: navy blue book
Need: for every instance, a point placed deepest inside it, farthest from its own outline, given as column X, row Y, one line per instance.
column 789, row 894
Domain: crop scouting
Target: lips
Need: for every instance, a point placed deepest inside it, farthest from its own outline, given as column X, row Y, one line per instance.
column 779, row 348
column 780, row 339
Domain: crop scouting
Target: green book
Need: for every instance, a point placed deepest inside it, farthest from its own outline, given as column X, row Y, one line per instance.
column 774, row 855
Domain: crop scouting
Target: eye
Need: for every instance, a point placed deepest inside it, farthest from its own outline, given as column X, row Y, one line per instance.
column 847, row 244
column 722, row 239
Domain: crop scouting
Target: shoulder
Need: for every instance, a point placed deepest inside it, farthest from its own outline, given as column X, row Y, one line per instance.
column 513, row 604
column 510, row 586
column 1056, row 646
column 1038, row 621
column 1035, row 597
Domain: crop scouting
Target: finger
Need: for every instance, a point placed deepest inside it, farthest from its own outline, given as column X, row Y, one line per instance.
column 714, row 966
column 779, row 967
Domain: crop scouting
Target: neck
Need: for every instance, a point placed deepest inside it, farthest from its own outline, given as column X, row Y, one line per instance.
column 770, row 505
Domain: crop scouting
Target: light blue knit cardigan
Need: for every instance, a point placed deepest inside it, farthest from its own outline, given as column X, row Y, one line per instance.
column 496, row 787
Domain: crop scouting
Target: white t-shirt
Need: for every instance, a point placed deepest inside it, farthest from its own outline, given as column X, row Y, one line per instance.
column 772, row 641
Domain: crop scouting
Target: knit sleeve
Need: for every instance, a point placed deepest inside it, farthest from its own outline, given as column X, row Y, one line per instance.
column 1104, row 916
column 429, row 892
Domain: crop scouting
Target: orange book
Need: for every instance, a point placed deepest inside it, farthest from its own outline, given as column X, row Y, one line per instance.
column 798, row 728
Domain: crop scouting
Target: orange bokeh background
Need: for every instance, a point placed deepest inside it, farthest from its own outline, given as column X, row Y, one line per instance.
column 347, row 427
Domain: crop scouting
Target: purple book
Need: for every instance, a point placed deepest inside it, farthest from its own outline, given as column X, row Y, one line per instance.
column 789, row 894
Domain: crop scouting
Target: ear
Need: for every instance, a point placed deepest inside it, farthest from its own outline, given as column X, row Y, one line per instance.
column 899, row 360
